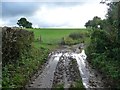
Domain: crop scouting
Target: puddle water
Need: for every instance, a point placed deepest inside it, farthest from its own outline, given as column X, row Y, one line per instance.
column 61, row 58
column 84, row 73
column 45, row 79
column 90, row 78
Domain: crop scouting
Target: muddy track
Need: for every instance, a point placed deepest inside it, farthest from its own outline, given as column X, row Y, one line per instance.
column 66, row 73
column 65, row 66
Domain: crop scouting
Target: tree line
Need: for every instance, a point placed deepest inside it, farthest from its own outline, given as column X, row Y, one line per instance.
column 104, row 48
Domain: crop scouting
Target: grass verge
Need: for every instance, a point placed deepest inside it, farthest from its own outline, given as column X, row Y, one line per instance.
column 16, row 75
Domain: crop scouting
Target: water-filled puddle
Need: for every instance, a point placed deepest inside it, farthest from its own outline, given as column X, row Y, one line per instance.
column 45, row 79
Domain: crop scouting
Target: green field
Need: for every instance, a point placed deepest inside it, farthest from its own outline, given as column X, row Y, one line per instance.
column 53, row 35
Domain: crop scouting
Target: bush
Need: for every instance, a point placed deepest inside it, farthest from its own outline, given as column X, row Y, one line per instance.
column 76, row 36
column 69, row 41
column 14, row 43
column 103, row 55
column 99, row 42
column 17, row 75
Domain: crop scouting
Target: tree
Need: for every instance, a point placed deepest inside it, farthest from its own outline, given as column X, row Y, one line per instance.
column 95, row 23
column 22, row 22
column 29, row 25
column 88, row 24
column 113, row 19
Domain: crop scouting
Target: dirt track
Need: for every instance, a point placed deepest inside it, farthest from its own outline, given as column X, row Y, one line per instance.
column 64, row 67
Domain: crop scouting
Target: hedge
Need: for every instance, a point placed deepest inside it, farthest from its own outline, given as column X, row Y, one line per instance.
column 14, row 43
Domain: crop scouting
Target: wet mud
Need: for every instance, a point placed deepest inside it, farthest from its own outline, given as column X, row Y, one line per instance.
column 65, row 66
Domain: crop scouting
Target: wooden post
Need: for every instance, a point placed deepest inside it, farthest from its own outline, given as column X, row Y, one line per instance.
column 40, row 38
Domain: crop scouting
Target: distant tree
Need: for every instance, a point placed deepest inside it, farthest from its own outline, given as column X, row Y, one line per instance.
column 22, row 22
column 29, row 25
column 96, row 22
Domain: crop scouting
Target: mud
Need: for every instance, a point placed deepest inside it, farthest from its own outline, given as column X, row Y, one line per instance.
column 66, row 72
column 65, row 66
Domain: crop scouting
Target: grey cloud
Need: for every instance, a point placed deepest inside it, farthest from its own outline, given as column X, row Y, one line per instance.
column 67, row 4
column 47, row 0
column 11, row 9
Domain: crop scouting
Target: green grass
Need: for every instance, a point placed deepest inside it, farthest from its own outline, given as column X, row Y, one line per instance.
column 53, row 35
column 17, row 75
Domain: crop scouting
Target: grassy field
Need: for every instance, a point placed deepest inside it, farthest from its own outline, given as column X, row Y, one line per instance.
column 53, row 35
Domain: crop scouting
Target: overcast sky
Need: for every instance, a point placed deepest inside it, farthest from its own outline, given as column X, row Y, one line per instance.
column 52, row 13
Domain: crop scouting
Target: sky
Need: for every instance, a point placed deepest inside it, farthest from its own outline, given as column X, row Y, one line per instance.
column 51, row 13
